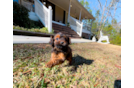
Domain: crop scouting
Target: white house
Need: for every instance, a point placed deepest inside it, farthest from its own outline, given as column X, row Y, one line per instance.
column 59, row 12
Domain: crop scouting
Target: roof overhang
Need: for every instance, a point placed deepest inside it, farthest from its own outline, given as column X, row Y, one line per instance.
column 76, row 7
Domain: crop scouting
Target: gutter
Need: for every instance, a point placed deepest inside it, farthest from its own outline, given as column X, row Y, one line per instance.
column 85, row 8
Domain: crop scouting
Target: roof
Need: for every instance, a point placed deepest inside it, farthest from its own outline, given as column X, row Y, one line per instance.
column 76, row 7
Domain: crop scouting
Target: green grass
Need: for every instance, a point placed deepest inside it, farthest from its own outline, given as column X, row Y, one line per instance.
column 41, row 30
column 93, row 66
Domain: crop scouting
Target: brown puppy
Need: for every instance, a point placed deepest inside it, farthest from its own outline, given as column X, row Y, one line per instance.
column 61, row 50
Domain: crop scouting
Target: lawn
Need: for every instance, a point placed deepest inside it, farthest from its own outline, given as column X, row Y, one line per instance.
column 94, row 66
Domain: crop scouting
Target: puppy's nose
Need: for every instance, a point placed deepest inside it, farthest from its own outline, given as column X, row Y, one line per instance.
column 61, row 42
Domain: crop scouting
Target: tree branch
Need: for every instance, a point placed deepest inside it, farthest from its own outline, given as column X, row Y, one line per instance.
column 100, row 4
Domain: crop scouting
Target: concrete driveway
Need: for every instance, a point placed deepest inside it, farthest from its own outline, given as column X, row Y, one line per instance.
column 32, row 39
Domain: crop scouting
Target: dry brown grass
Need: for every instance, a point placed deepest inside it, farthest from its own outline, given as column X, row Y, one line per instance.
column 94, row 65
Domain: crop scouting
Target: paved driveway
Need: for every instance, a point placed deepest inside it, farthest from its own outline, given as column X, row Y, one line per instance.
column 32, row 39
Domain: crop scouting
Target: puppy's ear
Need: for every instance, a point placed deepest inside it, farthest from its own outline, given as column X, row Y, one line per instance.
column 68, row 40
column 52, row 41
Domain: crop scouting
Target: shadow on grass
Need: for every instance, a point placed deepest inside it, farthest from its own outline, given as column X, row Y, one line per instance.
column 79, row 60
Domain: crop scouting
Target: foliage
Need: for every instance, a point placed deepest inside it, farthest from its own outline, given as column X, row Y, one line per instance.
column 20, row 17
column 114, row 36
column 114, row 21
column 116, row 40
column 68, row 24
column 108, row 29
column 102, row 21
column 42, row 30
column 86, row 5
column 97, row 14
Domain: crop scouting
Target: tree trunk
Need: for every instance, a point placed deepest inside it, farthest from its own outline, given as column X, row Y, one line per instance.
column 102, row 14
column 108, row 12
column 98, row 34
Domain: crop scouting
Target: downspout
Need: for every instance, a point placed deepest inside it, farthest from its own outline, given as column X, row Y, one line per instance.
column 80, row 15
column 69, row 10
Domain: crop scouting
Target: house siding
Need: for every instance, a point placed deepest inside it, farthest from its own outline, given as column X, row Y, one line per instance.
column 59, row 13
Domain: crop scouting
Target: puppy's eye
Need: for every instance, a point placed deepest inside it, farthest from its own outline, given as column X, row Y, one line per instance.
column 57, row 38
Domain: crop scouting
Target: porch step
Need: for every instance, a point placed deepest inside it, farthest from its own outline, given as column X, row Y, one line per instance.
column 65, row 30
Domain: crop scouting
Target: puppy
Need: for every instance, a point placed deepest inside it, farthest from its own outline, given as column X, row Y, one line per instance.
column 61, row 50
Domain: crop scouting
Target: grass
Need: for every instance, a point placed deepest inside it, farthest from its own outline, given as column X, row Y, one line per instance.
column 94, row 66
column 41, row 30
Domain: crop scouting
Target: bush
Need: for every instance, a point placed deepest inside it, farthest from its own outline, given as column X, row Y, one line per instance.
column 42, row 30
column 115, row 40
column 20, row 17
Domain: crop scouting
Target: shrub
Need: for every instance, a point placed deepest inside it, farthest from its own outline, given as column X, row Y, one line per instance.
column 52, row 31
column 42, row 30
column 68, row 24
column 115, row 39
column 20, row 17
column 45, row 30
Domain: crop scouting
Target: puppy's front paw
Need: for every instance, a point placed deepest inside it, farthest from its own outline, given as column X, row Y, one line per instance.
column 49, row 65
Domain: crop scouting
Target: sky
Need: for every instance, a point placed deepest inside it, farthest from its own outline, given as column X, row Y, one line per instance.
column 94, row 6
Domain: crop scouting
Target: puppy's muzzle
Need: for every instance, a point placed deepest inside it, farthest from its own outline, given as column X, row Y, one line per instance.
column 59, row 46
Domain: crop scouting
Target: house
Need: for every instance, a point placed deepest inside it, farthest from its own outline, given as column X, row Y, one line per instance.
column 59, row 14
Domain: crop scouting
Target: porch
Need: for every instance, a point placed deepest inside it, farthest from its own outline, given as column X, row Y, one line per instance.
column 61, row 12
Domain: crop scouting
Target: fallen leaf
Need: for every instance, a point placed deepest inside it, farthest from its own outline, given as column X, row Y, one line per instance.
column 14, row 73
column 27, row 87
column 48, row 45
column 96, row 84
column 118, row 66
column 26, row 72
column 46, row 80
column 74, row 75
column 43, row 47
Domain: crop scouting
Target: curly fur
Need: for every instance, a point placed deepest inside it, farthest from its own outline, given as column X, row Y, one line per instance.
column 61, row 50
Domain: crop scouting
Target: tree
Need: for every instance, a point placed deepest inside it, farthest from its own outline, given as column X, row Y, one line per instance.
column 103, row 22
column 102, row 17
column 110, row 7
column 86, row 5
column 97, row 15
column 107, row 8
column 82, row 2
column 96, row 22
column 114, row 21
